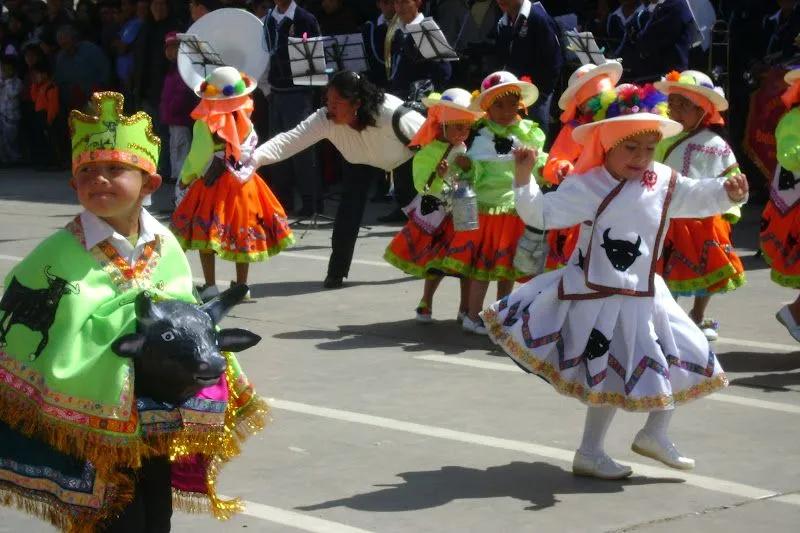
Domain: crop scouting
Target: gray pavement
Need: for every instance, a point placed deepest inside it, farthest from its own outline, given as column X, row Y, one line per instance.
column 383, row 425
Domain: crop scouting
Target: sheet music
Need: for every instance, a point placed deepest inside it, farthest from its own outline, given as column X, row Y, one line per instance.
column 347, row 49
column 430, row 41
column 307, row 60
column 585, row 47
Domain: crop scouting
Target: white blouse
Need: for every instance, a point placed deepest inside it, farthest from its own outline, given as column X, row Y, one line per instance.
column 377, row 146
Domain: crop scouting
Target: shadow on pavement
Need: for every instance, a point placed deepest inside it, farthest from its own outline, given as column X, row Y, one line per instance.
column 538, row 484
column 295, row 288
column 771, row 382
column 444, row 338
column 759, row 362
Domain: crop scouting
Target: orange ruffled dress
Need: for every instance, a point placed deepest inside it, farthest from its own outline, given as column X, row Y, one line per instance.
column 230, row 211
column 698, row 257
column 780, row 221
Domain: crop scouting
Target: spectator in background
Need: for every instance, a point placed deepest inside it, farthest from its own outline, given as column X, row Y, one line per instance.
column 261, row 8
column 664, row 43
column 36, row 13
column 337, row 18
column 81, row 68
column 781, row 30
column 150, row 67
column 131, row 15
column 87, row 21
column 622, row 30
column 10, row 92
column 177, row 102
column 18, row 33
column 44, row 93
column 288, row 105
column 57, row 16
column 374, row 34
column 528, row 43
column 198, row 8
column 7, row 46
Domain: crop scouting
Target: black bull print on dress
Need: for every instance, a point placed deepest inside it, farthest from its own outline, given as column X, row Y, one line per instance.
column 621, row 253
column 33, row 308
column 176, row 347
column 597, row 345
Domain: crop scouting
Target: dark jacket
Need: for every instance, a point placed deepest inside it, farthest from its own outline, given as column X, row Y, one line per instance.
column 374, row 35
column 409, row 66
column 532, row 47
column 277, row 36
column 779, row 35
column 150, row 65
column 664, row 43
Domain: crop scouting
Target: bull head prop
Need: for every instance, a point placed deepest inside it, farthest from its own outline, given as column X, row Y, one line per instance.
column 176, row 347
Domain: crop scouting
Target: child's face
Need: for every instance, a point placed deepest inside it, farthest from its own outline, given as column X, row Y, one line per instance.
column 682, row 110
column 456, row 133
column 111, row 190
column 387, row 8
column 171, row 51
column 629, row 160
column 504, row 110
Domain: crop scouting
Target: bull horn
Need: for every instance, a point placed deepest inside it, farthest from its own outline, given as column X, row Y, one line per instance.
column 607, row 235
column 638, row 241
column 219, row 306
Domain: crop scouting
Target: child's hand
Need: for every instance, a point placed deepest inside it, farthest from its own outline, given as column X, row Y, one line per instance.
column 564, row 168
column 463, row 162
column 737, row 188
column 524, row 161
column 441, row 168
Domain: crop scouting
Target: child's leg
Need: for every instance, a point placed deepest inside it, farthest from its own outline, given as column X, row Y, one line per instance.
column 207, row 262
column 429, row 289
column 504, row 288
column 477, row 293
column 463, row 305
column 598, row 420
column 653, row 441
column 242, row 269
column 698, row 311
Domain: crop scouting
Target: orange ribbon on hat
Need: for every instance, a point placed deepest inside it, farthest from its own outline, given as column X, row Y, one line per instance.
column 791, row 96
column 605, row 136
column 438, row 115
column 712, row 113
column 590, row 89
column 229, row 119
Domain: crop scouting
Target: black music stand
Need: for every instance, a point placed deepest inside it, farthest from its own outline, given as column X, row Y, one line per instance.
column 431, row 42
column 200, row 52
column 584, row 46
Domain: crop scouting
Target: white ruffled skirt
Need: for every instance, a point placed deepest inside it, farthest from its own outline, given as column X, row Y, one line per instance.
column 636, row 353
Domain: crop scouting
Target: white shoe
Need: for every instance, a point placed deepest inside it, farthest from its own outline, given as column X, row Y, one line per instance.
column 709, row 328
column 460, row 316
column 785, row 317
column 648, row 446
column 474, row 327
column 600, row 466
column 207, row 292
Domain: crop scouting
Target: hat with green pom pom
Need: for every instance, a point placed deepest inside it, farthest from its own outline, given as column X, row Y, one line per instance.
column 224, row 83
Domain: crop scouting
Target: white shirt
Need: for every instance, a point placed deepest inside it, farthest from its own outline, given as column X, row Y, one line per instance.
column 524, row 11
column 280, row 16
column 377, row 146
column 96, row 230
column 417, row 20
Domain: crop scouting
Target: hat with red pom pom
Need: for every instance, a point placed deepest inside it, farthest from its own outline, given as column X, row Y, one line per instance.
column 502, row 83
column 224, row 83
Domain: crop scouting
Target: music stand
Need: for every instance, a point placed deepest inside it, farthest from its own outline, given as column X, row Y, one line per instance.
column 585, row 48
column 200, row 52
column 431, row 42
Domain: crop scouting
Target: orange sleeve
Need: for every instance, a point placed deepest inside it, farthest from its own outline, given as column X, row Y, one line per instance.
column 52, row 103
column 564, row 150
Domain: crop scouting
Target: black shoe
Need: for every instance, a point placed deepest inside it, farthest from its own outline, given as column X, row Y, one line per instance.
column 395, row 216
column 332, row 282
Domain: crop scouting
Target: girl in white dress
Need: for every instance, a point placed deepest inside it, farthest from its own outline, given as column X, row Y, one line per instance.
column 605, row 329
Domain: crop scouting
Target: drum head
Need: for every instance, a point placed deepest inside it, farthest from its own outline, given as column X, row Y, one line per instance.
column 236, row 35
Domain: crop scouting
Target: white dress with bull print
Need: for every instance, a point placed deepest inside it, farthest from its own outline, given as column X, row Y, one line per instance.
column 605, row 329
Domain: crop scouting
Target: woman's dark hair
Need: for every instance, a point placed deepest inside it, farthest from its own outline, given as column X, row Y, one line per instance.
column 355, row 87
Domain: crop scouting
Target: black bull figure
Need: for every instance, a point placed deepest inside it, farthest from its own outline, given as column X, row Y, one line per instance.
column 176, row 347
column 33, row 308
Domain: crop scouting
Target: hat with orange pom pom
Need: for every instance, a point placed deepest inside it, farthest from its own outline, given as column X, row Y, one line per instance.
column 224, row 83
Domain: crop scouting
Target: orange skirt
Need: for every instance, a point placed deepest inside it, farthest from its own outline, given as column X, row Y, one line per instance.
column 487, row 253
column 780, row 246
column 698, row 257
column 561, row 243
column 418, row 254
column 241, row 222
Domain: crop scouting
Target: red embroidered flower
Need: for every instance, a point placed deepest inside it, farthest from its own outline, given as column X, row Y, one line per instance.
column 649, row 179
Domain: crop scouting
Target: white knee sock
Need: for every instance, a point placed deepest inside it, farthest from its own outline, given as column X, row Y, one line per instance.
column 657, row 425
column 598, row 419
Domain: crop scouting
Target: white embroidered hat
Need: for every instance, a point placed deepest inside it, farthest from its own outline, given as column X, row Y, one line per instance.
column 792, row 76
column 697, row 82
column 584, row 75
column 224, row 83
column 666, row 126
column 455, row 98
column 502, row 82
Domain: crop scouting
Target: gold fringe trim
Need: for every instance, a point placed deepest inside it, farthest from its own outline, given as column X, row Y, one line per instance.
column 61, row 515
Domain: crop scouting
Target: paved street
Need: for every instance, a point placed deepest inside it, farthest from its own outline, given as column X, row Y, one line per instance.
column 381, row 425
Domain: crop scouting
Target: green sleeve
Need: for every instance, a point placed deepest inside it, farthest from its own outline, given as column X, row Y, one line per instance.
column 425, row 162
column 787, row 135
column 200, row 153
column 733, row 214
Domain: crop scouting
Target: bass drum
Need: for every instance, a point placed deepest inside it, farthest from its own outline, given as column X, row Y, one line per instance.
column 228, row 36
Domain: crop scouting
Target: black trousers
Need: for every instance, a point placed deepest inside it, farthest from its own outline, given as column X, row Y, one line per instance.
column 356, row 182
column 151, row 508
